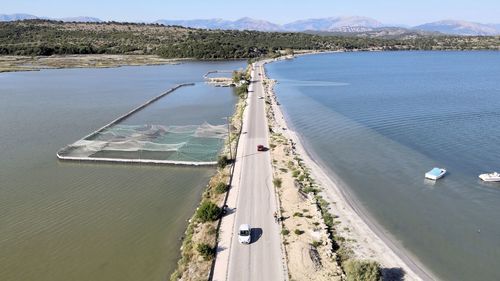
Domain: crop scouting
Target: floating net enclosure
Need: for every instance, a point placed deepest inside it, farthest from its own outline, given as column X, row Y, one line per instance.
column 193, row 144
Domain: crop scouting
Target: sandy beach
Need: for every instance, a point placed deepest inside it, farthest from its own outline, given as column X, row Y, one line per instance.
column 368, row 239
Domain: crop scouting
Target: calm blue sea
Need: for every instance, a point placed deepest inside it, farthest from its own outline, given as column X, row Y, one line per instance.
column 380, row 120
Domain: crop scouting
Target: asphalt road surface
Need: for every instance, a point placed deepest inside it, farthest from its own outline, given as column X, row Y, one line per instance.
column 260, row 260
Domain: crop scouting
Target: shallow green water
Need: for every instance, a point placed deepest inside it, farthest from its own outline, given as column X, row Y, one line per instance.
column 71, row 221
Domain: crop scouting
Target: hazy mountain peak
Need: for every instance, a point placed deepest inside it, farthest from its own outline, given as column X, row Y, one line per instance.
column 333, row 23
column 239, row 24
column 81, row 19
column 254, row 24
column 14, row 17
column 460, row 27
column 246, row 19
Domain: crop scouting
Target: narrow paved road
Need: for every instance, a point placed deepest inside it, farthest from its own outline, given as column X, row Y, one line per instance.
column 256, row 202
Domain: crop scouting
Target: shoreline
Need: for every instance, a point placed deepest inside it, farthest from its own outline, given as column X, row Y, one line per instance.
column 374, row 242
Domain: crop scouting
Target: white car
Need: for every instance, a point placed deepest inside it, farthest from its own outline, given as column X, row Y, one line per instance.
column 244, row 236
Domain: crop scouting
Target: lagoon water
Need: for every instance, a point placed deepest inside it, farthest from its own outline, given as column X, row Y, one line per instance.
column 379, row 121
column 79, row 221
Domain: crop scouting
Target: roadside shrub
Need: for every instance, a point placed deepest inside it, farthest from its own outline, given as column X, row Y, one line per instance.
column 343, row 253
column 223, row 161
column 221, row 187
column 208, row 211
column 277, row 182
column 298, row 232
column 238, row 76
column 242, row 90
column 206, row 251
column 285, row 232
column 295, row 173
column 310, row 189
column 357, row 270
column 297, row 214
column 316, row 244
column 328, row 219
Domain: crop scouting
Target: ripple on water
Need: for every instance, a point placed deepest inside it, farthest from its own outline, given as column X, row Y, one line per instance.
column 383, row 130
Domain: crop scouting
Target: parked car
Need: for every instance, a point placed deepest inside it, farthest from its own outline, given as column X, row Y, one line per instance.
column 244, row 234
column 260, row 147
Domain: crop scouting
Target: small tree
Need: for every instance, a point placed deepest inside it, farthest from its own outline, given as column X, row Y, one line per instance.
column 242, row 90
column 223, row 161
column 237, row 76
column 277, row 182
column 208, row 211
column 362, row 270
column 221, row 187
column 206, row 251
column 298, row 232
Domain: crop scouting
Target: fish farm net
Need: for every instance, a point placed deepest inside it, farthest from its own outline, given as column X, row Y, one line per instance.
column 192, row 144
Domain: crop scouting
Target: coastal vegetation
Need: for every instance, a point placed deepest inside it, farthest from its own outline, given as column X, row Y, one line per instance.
column 46, row 38
column 221, row 187
column 241, row 79
column 362, row 270
column 206, row 251
column 208, row 211
column 223, row 161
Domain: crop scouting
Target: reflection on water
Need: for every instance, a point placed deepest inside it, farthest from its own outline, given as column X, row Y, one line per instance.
column 399, row 115
column 71, row 221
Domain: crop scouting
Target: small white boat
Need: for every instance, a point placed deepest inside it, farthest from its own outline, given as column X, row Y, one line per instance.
column 490, row 177
column 435, row 173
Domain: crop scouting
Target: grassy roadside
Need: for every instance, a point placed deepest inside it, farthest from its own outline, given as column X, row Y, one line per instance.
column 198, row 245
column 315, row 249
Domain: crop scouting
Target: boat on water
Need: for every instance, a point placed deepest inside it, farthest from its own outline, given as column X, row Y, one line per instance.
column 435, row 173
column 490, row 177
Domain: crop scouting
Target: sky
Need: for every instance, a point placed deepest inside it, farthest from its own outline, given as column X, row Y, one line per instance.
column 278, row 11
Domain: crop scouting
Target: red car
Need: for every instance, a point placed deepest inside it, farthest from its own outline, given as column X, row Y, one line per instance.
column 260, row 147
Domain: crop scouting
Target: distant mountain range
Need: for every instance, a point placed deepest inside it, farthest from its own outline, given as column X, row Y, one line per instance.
column 342, row 25
column 15, row 17
column 461, row 27
column 333, row 25
column 241, row 24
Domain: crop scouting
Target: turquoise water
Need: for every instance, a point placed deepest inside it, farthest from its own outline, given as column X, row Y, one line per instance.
column 381, row 120
column 72, row 221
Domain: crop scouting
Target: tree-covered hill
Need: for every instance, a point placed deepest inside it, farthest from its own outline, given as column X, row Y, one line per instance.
column 41, row 37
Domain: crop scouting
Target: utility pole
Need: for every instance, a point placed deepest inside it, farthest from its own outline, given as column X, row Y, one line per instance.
column 229, row 138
